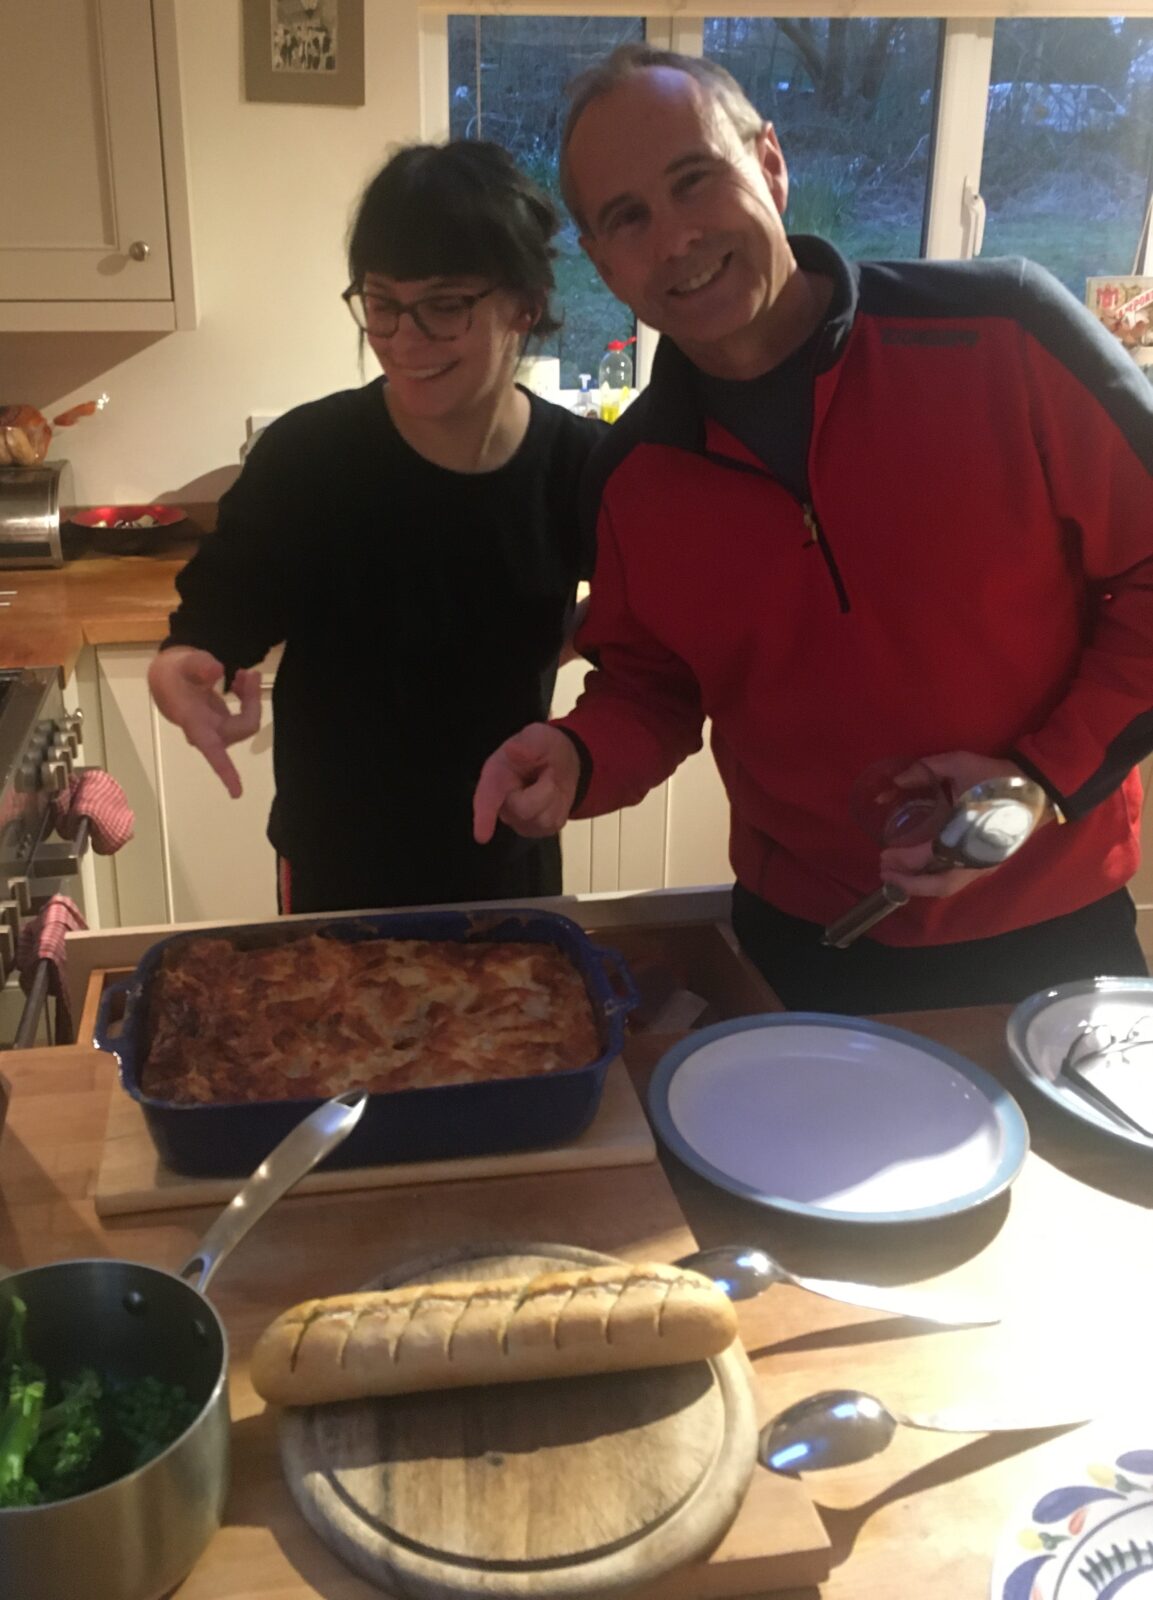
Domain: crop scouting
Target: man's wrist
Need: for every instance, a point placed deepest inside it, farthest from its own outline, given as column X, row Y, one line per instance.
column 584, row 757
column 1054, row 806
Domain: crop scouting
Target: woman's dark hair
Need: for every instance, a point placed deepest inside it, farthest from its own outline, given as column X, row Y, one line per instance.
column 462, row 209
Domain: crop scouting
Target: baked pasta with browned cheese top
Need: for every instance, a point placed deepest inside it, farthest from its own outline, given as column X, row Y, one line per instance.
column 317, row 1016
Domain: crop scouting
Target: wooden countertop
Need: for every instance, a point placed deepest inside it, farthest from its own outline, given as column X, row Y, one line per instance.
column 1057, row 1253
column 95, row 599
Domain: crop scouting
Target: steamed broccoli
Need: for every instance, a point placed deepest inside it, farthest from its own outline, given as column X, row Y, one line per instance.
column 19, row 1426
column 150, row 1414
column 16, row 1370
column 24, row 1492
column 94, row 1432
column 14, row 1336
column 71, row 1434
column 21, row 1403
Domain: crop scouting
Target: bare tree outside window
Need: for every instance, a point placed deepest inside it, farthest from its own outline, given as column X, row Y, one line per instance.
column 1068, row 163
column 852, row 101
column 304, row 35
column 507, row 77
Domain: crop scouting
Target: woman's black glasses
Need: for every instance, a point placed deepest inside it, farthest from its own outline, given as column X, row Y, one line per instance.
column 438, row 316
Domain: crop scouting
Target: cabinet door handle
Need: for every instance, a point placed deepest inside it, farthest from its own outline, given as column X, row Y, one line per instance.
column 139, row 250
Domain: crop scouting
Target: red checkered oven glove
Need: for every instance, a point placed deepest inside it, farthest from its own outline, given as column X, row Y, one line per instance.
column 92, row 793
column 42, row 939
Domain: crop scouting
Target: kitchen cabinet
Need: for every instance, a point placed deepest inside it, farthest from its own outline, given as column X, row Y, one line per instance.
column 94, row 232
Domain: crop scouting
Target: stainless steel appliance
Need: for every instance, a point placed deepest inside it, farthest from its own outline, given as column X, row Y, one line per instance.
column 39, row 744
column 30, row 501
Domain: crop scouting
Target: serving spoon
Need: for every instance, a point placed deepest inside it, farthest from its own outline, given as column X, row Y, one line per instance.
column 989, row 823
column 840, row 1426
column 745, row 1271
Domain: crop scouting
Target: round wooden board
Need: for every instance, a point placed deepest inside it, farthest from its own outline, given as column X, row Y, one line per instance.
column 524, row 1491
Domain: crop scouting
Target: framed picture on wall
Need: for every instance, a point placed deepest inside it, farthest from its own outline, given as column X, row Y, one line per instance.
column 304, row 52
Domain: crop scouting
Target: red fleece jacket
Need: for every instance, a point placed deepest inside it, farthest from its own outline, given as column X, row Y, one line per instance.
column 972, row 570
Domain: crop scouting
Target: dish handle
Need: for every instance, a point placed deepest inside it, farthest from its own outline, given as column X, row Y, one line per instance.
column 625, row 996
column 110, row 1015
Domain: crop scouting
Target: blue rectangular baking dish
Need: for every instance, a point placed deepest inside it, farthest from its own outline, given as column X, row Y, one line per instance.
column 469, row 1119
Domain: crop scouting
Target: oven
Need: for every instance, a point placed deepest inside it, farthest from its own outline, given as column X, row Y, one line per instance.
column 39, row 746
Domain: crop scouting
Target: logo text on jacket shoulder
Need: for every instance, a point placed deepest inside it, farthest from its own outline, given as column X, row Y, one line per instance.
column 929, row 336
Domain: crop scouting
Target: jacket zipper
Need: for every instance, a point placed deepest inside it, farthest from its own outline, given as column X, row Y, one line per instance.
column 808, row 510
column 816, row 535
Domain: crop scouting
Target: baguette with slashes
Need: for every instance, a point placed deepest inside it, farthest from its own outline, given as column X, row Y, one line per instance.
column 502, row 1330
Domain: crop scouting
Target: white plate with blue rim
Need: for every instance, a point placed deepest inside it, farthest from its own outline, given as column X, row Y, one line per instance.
column 1044, row 1029
column 1086, row 1533
column 838, row 1118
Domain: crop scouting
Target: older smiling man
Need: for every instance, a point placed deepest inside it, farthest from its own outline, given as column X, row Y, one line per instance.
column 864, row 510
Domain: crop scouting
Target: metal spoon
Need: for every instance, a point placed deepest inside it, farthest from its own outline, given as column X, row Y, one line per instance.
column 840, row 1426
column 744, row 1271
column 989, row 823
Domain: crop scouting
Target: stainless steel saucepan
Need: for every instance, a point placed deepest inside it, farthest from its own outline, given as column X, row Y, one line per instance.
column 137, row 1537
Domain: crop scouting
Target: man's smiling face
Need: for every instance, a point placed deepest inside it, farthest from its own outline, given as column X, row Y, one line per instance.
column 682, row 219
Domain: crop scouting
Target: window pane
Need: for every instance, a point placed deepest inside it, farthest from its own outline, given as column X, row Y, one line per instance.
column 1069, row 143
column 851, row 99
column 507, row 77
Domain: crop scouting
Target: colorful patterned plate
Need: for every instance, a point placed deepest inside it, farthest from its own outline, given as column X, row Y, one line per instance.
column 1089, row 1537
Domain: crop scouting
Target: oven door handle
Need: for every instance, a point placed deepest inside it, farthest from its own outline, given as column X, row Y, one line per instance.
column 81, row 841
column 37, row 999
column 66, row 862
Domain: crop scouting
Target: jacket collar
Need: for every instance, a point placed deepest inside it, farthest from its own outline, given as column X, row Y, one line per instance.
column 673, row 414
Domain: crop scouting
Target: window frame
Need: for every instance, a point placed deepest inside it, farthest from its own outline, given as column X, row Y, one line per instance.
column 954, row 214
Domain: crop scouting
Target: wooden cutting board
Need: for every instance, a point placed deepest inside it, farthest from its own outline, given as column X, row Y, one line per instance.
column 131, row 1177
column 524, row 1491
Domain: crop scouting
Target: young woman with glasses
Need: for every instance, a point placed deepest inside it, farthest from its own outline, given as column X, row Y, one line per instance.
column 415, row 546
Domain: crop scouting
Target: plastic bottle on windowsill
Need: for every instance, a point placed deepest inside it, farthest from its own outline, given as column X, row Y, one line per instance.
column 616, row 379
column 585, row 404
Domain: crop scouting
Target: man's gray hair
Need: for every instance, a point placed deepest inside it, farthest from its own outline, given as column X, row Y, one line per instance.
column 720, row 88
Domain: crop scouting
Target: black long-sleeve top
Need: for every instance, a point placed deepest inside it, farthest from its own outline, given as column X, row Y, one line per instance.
column 422, row 611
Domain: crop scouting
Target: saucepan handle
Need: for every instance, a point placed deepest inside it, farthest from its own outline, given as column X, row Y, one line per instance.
column 626, row 995
column 295, row 1156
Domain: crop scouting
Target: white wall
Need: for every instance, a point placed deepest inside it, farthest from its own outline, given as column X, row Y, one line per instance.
column 272, row 189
